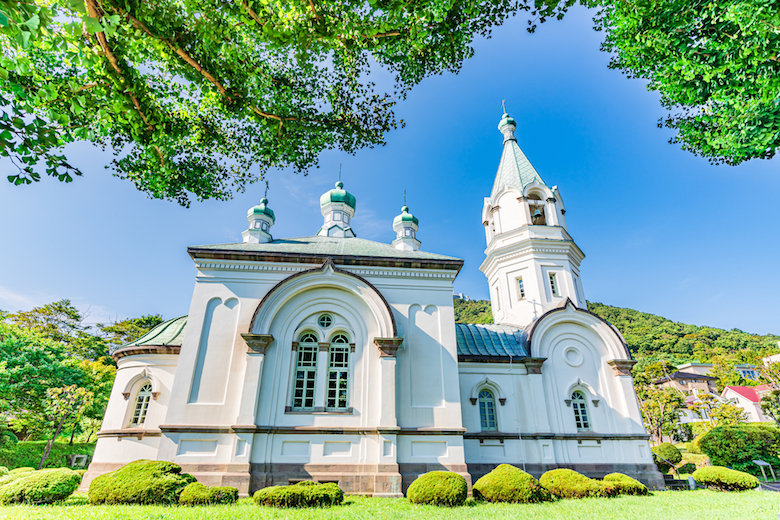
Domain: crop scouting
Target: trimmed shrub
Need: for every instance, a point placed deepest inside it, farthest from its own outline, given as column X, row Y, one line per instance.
column 196, row 494
column 40, row 487
column 302, row 494
column 693, row 446
column 567, row 483
column 738, row 446
column 20, row 470
column 687, row 468
column 510, row 484
column 438, row 488
column 725, row 479
column 3, row 471
column 625, row 485
column 669, row 452
column 140, row 482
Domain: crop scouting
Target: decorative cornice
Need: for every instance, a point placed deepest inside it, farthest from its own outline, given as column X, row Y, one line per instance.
column 306, row 258
column 257, row 343
column 582, row 436
column 622, row 367
column 139, row 433
column 311, row 430
column 533, row 365
column 388, row 346
column 145, row 349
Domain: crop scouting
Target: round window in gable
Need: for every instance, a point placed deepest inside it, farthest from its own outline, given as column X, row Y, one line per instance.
column 325, row 321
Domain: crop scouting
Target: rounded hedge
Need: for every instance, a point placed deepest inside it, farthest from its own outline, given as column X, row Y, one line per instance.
column 20, row 470
column 303, row 494
column 693, row 446
column 509, row 484
column 140, row 482
column 738, row 446
column 567, row 483
column 725, row 479
column 687, row 468
column 3, row 471
column 438, row 488
column 625, row 485
column 40, row 487
column 196, row 494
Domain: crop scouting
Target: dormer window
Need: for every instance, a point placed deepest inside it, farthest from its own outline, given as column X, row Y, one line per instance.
column 336, row 216
column 553, row 284
column 408, row 232
column 346, row 218
column 264, row 226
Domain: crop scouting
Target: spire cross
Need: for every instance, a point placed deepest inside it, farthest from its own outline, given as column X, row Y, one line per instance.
column 503, row 105
column 404, row 196
column 266, row 190
column 339, row 172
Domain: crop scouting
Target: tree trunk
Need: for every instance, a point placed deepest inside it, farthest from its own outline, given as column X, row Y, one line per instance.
column 72, row 433
column 50, row 444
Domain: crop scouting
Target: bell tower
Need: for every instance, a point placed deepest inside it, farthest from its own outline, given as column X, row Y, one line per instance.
column 532, row 264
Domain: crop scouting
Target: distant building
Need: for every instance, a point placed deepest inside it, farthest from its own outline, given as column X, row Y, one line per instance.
column 461, row 296
column 748, row 398
column 744, row 370
column 689, row 383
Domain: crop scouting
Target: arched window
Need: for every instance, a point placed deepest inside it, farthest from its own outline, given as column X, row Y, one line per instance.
column 487, row 411
column 338, row 373
column 141, row 405
column 305, row 373
column 580, row 411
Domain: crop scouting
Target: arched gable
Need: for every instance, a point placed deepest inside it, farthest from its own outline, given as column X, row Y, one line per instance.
column 328, row 275
column 613, row 341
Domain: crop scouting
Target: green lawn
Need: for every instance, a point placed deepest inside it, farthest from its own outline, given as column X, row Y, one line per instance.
column 669, row 505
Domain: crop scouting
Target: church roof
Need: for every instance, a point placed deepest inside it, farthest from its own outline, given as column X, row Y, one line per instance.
column 167, row 333
column 484, row 341
column 318, row 248
column 514, row 170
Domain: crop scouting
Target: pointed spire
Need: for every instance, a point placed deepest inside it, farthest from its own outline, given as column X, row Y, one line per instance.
column 514, row 170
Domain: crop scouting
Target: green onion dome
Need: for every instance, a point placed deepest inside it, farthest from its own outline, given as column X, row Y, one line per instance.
column 263, row 209
column 506, row 120
column 405, row 216
column 338, row 196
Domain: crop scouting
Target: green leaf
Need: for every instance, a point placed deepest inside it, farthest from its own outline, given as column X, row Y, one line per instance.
column 3, row 20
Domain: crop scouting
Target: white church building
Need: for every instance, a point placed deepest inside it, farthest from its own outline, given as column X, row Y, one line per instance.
column 338, row 359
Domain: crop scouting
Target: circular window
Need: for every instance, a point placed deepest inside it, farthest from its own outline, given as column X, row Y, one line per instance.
column 573, row 356
column 325, row 321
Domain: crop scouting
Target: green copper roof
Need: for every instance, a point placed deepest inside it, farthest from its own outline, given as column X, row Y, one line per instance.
column 405, row 216
column 325, row 246
column 167, row 333
column 263, row 209
column 514, row 170
column 490, row 340
column 338, row 195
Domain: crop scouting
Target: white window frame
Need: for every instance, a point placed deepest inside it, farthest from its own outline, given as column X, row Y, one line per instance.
column 520, row 288
column 305, row 372
column 338, row 379
column 141, row 405
column 579, row 406
column 489, row 408
column 553, row 284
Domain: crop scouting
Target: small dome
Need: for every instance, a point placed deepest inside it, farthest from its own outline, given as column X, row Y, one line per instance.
column 338, row 195
column 262, row 209
column 506, row 120
column 405, row 216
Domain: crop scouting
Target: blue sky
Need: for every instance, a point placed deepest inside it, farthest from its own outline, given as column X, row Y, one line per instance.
column 663, row 231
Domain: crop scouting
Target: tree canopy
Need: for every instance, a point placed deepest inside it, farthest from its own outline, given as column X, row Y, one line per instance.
column 192, row 95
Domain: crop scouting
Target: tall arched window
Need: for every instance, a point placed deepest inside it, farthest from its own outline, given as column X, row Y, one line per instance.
column 141, row 405
column 338, row 373
column 487, row 411
column 580, row 411
column 305, row 373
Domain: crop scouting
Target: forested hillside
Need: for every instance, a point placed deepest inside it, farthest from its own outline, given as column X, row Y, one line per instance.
column 652, row 338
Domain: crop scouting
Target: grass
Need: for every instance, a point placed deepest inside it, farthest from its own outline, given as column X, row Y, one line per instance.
column 702, row 504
